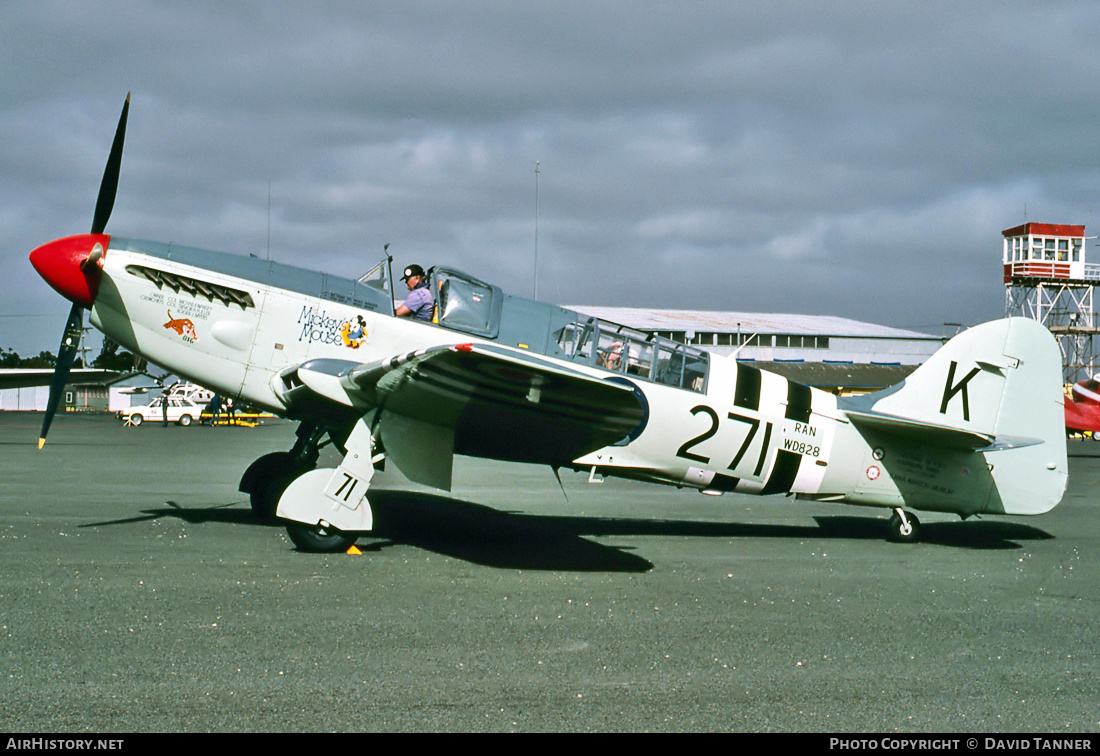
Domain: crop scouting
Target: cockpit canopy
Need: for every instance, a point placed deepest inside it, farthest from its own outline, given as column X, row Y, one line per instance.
column 466, row 304
column 624, row 350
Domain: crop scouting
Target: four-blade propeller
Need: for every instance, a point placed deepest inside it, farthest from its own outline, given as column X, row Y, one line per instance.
column 88, row 266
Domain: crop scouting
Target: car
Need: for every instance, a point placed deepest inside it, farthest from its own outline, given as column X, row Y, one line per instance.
column 181, row 410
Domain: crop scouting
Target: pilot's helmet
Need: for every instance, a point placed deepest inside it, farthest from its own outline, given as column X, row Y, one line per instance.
column 413, row 270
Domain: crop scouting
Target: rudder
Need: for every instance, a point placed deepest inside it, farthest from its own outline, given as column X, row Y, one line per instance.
column 995, row 389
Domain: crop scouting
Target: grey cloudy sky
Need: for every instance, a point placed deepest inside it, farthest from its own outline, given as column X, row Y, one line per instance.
column 857, row 159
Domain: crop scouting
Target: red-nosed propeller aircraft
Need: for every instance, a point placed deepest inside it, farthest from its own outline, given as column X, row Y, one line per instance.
column 1083, row 408
column 978, row 429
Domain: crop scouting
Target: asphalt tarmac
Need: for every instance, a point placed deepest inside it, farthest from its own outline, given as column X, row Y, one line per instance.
column 139, row 594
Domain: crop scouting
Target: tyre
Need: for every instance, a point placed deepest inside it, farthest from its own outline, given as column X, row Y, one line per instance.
column 319, row 540
column 184, row 420
column 905, row 530
column 266, row 479
column 136, row 419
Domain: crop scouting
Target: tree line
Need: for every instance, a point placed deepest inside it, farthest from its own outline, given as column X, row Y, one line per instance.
column 110, row 357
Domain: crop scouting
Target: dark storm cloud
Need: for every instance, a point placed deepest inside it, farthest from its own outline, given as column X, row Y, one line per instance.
column 851, row 159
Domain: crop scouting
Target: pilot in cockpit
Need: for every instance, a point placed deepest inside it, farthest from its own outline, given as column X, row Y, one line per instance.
column 419, row 304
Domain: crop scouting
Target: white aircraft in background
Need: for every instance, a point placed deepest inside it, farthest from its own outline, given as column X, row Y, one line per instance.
column 11, row 378
column 978, row 429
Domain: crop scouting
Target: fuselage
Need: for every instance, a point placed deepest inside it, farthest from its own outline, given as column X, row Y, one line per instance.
column 237, row 325
column 234, row 323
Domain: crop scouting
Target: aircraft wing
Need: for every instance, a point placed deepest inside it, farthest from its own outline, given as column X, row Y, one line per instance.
column 475, row 399
column 28, row 377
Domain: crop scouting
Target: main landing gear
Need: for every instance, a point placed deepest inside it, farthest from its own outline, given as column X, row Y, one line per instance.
column 904, row 526
column 324, row 509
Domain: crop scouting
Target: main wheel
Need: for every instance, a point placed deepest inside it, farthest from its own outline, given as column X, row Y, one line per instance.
column 266, row 479
column 319, row 539
column 265, row 500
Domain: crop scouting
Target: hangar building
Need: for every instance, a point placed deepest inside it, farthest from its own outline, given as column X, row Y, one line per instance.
column 836, row 354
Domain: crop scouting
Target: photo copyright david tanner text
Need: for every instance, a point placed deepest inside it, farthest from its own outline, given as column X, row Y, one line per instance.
column 1033, row 743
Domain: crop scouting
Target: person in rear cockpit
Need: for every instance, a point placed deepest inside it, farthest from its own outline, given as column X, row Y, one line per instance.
column 611, row 358
column 419, row 304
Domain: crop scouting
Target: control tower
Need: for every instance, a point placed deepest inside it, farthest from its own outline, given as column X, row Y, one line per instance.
column 1047, row 279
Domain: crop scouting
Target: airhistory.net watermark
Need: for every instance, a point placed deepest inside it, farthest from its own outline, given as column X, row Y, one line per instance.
column 63, row 744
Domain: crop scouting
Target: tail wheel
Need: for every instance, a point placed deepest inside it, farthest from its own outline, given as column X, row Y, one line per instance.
column 904, row 526
column 319, row 539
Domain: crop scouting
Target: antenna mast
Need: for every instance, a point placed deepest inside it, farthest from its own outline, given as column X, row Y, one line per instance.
column 536, row 296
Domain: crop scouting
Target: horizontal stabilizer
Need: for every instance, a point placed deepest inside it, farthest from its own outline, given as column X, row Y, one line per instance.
column 940, row 435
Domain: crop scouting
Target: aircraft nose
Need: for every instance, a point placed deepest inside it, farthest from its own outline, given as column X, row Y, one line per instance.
column 72, row 265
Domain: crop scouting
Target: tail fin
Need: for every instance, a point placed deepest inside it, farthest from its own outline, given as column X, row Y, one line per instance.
column 995, row 389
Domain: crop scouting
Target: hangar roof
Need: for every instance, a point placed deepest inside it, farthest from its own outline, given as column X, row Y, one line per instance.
column 746, row 322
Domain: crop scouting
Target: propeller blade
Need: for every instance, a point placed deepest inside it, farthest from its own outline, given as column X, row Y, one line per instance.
column 66, row 355
column 109, row 186
column 54, row 259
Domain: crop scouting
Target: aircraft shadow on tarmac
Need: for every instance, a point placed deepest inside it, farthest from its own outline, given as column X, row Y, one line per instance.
column 482, row 535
